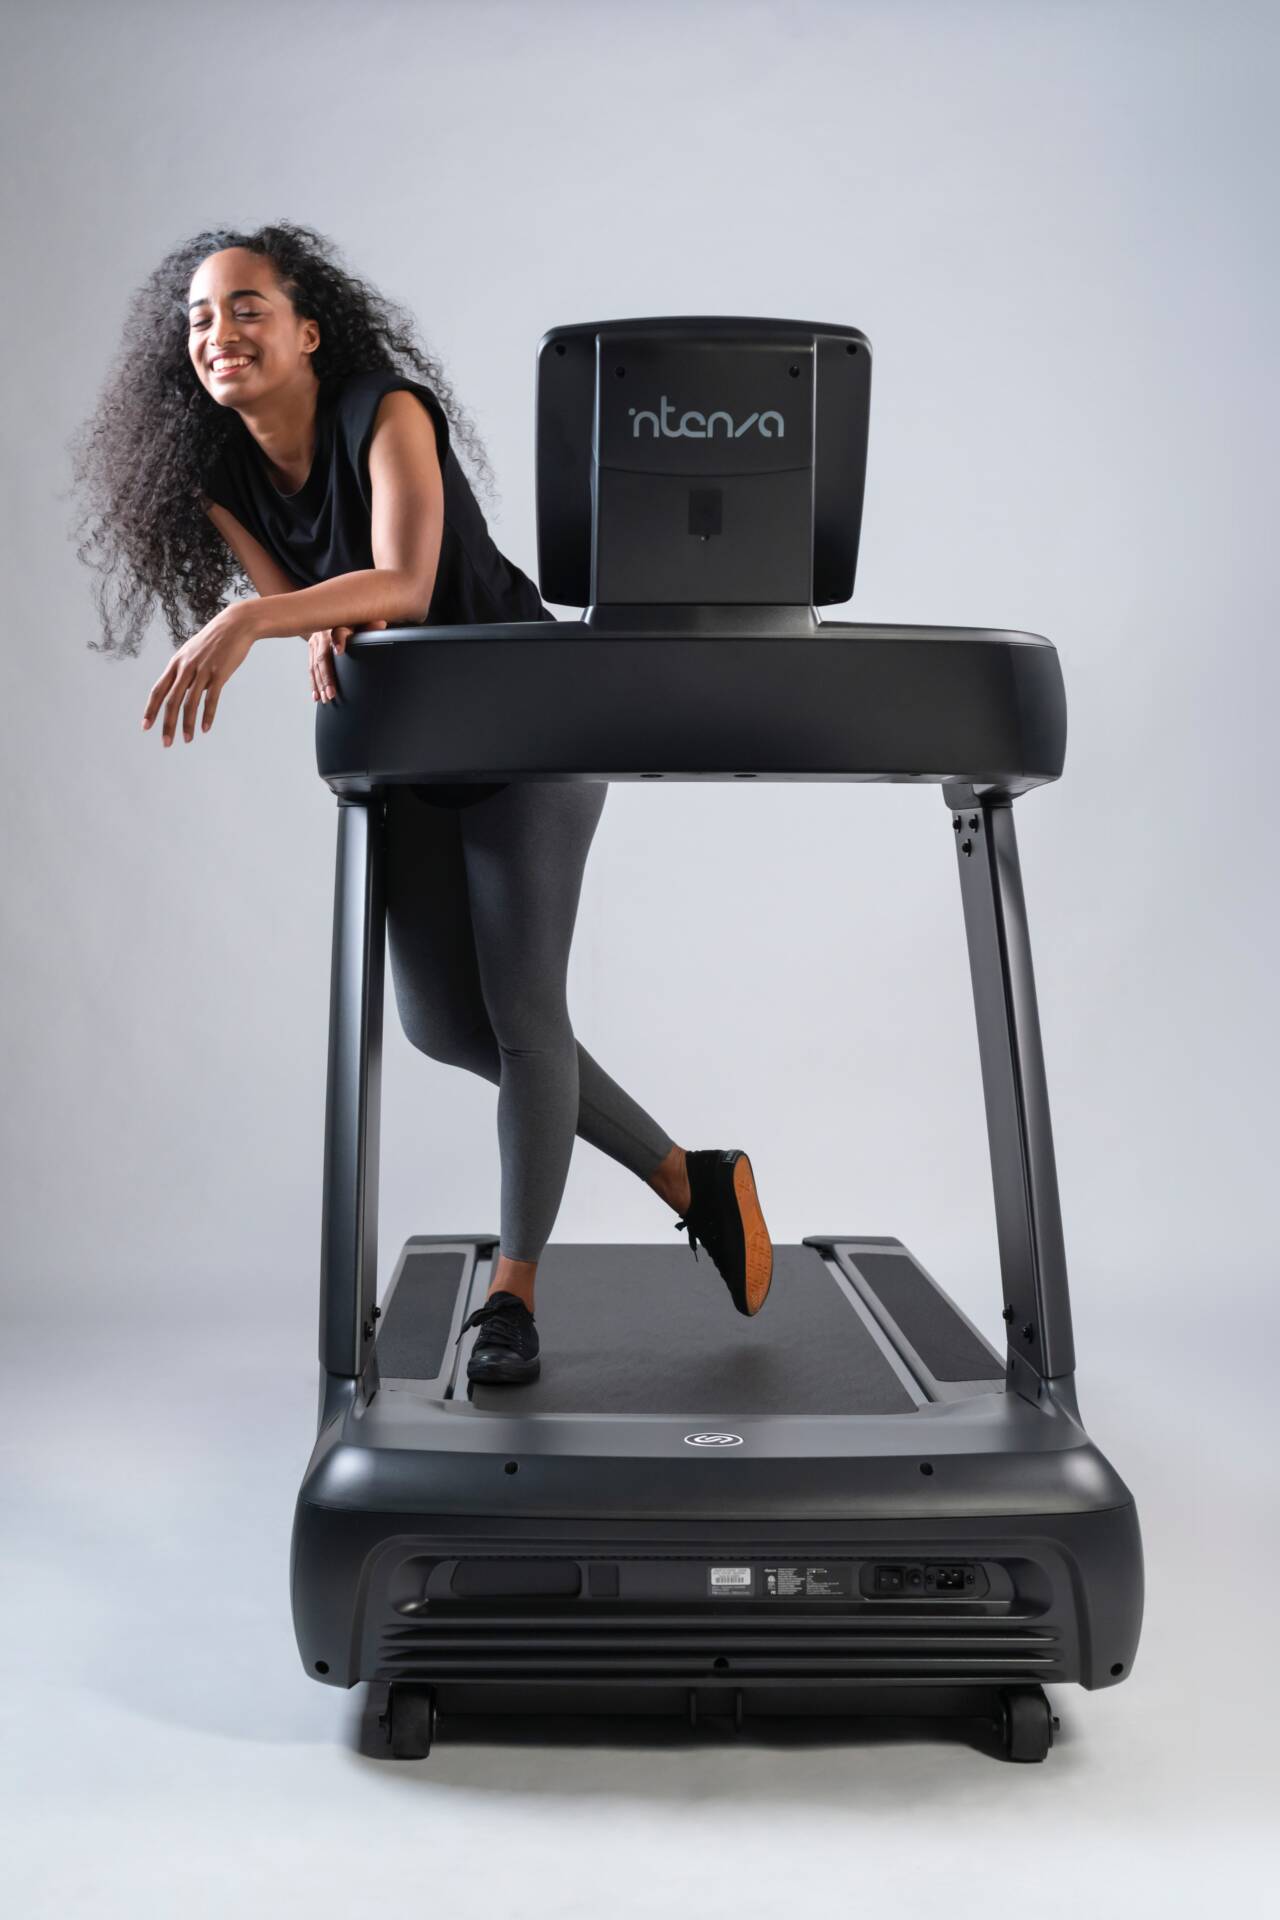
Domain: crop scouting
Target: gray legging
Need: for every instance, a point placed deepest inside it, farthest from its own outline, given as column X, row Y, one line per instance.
column 481, row 904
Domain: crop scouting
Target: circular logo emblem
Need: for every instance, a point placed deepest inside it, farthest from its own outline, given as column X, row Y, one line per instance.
column 713, row 1439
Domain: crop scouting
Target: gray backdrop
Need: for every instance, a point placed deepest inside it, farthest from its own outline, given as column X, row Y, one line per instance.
column 1056, row 224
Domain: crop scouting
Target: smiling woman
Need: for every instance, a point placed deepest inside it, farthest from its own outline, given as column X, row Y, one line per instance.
column 165, row 419
column 310, row 457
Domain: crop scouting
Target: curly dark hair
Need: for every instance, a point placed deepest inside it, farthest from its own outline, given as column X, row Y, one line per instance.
column 140, row 457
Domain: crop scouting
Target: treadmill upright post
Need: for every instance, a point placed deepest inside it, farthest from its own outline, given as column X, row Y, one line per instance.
column 1033, row 1261
column 353, row 1099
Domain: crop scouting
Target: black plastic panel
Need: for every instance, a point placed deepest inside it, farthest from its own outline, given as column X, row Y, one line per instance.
column 597, row 384
column 499, row 1579
column 1071, row 1606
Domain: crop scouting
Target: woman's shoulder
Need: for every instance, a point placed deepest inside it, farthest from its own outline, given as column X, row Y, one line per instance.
column 356, row 397
column 359, row 391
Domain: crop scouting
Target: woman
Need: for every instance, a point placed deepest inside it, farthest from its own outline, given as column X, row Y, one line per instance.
column 258, row 422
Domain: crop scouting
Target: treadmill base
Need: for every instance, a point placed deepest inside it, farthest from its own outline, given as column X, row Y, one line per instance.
column 931, row 1529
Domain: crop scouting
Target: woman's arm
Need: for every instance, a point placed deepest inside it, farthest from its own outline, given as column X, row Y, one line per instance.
column 407, row 528
column 406, row 531
column 266, row 573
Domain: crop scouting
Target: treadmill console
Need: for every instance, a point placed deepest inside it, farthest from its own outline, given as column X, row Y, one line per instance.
column 701, row 461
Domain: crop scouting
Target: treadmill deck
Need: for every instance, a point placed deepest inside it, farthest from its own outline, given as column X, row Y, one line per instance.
column 860, row 1389
column 640, row 1329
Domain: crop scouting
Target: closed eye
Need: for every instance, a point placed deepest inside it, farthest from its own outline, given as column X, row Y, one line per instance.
column 241, row 313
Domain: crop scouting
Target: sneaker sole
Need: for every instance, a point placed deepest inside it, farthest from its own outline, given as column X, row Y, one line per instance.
column 509, row 1373
column 757, row 1246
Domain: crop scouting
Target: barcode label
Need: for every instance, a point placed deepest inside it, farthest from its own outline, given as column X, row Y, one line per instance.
column 731, row 1577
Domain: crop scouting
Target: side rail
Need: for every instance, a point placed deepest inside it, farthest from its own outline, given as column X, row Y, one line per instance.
column 1033, row 1264
column 353, row 1099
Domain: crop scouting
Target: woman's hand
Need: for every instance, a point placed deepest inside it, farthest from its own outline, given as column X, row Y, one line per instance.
column 202, row 666
column 322, row 646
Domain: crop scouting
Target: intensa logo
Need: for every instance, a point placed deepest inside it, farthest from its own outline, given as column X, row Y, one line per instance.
column 703, row 426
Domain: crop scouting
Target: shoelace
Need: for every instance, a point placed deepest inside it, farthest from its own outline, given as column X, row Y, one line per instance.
column 705, row 1233
column 501, row 1321
column 682, row 1226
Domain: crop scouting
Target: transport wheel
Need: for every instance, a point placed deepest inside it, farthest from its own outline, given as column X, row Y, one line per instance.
column 1026, row 1723
column 410, row 1720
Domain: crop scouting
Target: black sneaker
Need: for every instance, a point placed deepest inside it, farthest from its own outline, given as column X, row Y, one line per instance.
column 507, row 1349
column 724, row 1214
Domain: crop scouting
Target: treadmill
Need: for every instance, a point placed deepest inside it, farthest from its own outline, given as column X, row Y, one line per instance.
column 856, row 1504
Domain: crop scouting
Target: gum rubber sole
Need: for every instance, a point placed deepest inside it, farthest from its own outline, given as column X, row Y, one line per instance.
column 757, row 1246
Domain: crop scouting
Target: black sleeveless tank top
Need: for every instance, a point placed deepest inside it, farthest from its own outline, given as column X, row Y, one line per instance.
column 325, row 527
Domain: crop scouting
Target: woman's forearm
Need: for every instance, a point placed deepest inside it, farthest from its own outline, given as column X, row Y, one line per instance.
column 348, row 600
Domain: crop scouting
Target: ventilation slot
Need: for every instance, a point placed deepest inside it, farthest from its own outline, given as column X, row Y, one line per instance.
column 458, row 1643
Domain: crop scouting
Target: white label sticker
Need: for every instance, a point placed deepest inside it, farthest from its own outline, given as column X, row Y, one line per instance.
column 731, row 1576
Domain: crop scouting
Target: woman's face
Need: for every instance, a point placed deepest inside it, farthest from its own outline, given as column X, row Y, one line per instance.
column 244, row 338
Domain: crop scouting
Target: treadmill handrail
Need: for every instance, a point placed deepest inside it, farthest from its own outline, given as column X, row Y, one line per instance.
column 778, row 696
